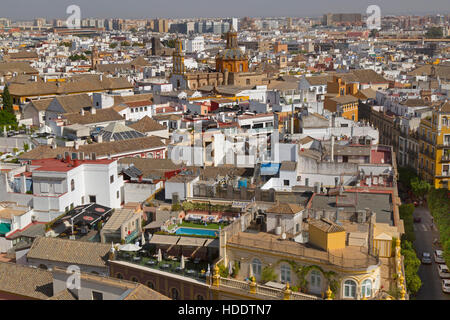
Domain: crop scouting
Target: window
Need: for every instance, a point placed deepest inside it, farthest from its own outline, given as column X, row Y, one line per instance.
column 256, row 267
column 134, row 279
column 247, row 82
column 286, row 182
column 297, row 227
column 349, row 289
column 150, row 285
column 366, row 288
column 200, row 297
column 174, row 294
column 118, row 194
column 97, row 295
column 111, row 179
column 44, row 187
column 72, row 185
column 92, row 199
column 119, row 276
column 306, row 182
column 315, row 279
column 285, row 273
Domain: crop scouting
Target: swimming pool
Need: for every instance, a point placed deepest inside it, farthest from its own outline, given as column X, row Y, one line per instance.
column 198, row 232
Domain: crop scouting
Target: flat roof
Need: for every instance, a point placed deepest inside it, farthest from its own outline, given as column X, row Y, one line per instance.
column 164, row 239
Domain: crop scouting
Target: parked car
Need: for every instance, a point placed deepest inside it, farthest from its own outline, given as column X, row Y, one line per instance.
column 417, row 219
column 443, row 271
column 446, row 285
column 426, row 258
column 439, row 256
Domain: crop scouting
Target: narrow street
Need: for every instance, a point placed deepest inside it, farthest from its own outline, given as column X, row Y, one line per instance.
column 425, row 234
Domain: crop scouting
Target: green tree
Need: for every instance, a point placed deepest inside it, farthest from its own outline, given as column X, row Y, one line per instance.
column 268, row 274
column 412, row 264
column 7, row 100
column 26, row 146
column 7, row 118
column 434, row 32
column 406, row 214
column 125, row 44
column 113, row 45
column 420, row 187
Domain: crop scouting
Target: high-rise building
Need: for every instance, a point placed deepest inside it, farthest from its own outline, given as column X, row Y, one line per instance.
column 161, row 25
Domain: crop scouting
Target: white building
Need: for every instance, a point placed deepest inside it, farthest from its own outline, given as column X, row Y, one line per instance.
column 53, row 186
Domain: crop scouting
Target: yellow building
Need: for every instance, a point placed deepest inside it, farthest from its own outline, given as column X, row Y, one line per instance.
column 340, row 98
column 326, row 234
column 434, row 147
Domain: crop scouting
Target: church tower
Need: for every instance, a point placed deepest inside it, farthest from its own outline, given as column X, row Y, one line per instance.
column 232, row 59
column 178, row 58
column 94, row 58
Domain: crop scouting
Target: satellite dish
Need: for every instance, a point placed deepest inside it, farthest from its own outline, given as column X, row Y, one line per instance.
column 283, row 236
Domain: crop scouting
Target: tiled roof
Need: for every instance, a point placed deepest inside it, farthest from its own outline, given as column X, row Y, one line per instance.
column 74, row 103
column 326, row 225
column 72, row 85
column 142, row 292
column 101, row 149
column 70, row 251
column 147, row 124
column 25, row 281
column 368, row 76
column 285, row 208
column 101, row 115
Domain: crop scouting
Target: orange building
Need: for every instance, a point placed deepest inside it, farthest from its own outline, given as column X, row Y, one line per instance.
column 340, row 98
column 232, row 58
column 279, row 47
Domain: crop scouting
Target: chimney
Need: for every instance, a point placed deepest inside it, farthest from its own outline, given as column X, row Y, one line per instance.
column 332, row 149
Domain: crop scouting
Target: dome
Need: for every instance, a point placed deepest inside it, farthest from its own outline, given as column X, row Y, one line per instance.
column 232, row 53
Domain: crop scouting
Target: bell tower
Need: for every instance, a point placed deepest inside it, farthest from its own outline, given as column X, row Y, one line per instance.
column 178, row 58
column 232, row 39
column 94, row 57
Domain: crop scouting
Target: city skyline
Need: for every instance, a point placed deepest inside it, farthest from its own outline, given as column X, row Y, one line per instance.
column 202, row 8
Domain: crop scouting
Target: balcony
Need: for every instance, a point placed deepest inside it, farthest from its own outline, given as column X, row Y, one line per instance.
column 193, row 268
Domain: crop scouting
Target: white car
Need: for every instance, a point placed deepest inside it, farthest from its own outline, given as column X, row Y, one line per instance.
column 443, row 271
column 426, row 258
column 446, row 285
column 439, row 256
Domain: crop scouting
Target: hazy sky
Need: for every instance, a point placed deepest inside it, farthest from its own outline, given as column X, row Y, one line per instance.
column 27, row 9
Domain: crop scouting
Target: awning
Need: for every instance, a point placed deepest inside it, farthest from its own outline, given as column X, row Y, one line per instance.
column 4, row 228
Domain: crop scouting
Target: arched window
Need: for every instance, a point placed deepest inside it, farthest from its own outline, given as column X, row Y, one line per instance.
column 285, row 273
column 119, row 276
column 174, row 294
column 150, row 285
column 134, row 279
column 366, row 288
column 256, row 267
column 72, row 185
column 200, row 297
column 349, row 289
column 315, row 279
column 43, row 266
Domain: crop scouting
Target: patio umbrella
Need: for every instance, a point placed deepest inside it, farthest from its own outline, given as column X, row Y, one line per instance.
column 142, row 239
column 182, row 262
column 230, row 268
column 129, row 247
column 159, row 255
column 208, row 272
column 250, row 271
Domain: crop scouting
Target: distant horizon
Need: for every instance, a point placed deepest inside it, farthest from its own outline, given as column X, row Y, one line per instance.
column 212, row 9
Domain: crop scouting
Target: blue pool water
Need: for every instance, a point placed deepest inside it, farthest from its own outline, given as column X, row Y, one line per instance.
column 198, row 232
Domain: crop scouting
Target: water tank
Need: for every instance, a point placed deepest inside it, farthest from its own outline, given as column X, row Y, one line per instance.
column 278, row 230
